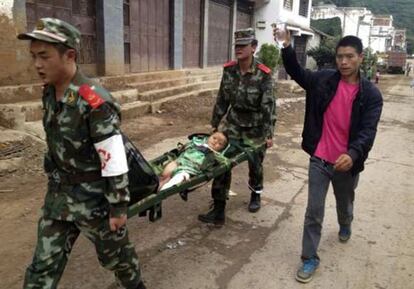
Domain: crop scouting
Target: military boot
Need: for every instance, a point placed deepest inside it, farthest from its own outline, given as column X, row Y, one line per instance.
column 141, row 285
column 254, row 204
column 216, row 215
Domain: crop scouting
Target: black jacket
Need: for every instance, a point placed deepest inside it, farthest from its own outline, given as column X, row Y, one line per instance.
column 320, row 89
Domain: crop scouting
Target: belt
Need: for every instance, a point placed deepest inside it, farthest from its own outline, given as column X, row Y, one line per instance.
column 326, row 163
column 77, row 178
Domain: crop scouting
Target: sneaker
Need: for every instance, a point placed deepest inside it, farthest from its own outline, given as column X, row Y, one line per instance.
column 344, row 233
column 306, row 271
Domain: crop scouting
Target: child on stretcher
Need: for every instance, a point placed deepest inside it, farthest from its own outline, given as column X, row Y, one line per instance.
column 191, row 162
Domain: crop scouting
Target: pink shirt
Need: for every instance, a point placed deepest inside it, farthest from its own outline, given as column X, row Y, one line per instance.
column 336, row 123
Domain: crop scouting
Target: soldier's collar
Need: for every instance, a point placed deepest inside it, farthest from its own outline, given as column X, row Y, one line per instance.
column 71, row 95
column 253, row 66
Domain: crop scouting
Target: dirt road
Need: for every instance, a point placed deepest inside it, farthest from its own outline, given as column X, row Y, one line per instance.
column 252, row 250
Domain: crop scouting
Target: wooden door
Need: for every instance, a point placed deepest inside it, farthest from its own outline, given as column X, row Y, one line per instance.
column 218, row 32
column 79, row 13
column 192, row 33
column 149, row 35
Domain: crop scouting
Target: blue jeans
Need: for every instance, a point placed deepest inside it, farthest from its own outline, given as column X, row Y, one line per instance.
column 321, row 173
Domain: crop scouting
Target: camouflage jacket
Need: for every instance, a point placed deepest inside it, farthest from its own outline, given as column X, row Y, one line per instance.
column 72, row 127
column 247, row 99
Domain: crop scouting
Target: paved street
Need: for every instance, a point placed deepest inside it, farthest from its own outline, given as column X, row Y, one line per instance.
column 262, row 250
column 259, row 251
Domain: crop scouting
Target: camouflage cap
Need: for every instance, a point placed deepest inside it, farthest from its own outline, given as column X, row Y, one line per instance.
column 244, row 36
column 53, row 30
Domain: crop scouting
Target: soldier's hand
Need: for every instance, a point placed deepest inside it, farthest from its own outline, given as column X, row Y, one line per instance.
column 269, row 143
column 214, row 129
column 116, row 223
column 344, row 163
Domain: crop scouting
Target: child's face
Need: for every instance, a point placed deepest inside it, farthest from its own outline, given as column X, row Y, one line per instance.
column 217, row 141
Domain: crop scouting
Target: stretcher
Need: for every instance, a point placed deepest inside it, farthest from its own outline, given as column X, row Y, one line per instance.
column 145, row 197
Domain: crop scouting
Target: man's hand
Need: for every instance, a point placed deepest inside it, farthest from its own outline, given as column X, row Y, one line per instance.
column 214, row 129
column 269, row 143
column 116, row 223
column 343, row 163
column 282, row 36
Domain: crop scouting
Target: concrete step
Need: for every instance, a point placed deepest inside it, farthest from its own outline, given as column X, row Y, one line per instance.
column 23, row 111
column 28, row 111
column 207, row 92
column 160, row 84
column 135, row 109
column 155, row 95
column 122, row 81
column 29, row 92
column 126, row 95
column 202, row 71
column 18, row 93
column 134, row 104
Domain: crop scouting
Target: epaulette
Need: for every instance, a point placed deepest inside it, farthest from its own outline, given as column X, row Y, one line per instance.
column 93, row 98
column 230, row 63
column 264, row 68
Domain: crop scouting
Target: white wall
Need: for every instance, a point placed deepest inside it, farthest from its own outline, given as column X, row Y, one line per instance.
column 6, row 8
column 273, row 11
column 364, row 34
column 380, row 36
column 379, row 44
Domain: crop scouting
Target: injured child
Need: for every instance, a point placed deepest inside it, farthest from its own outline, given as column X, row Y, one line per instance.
column 193, row 160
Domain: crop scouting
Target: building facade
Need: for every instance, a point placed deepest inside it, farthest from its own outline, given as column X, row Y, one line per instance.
column 295, row 13
column 376, row 31
column 382, row 33
column 128, row 36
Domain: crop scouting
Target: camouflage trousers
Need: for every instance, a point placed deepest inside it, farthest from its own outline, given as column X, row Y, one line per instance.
column 55, row 242
column 243, row 136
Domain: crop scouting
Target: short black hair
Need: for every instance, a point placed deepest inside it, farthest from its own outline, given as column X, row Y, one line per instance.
column 352, row 41
column 255, row 42
column 62, row 48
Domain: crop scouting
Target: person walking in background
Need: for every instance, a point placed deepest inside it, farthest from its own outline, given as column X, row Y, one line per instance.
column 377, row 77
column 369, row 74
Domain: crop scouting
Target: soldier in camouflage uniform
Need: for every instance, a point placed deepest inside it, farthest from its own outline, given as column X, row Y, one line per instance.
column 246, row 96
column 85, row 163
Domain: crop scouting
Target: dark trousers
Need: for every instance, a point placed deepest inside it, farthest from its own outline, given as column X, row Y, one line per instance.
column 321, row 174
column 221, row 184
column 55, row 242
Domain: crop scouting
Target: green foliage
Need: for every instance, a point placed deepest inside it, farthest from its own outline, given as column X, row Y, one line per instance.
column 269, row 55
column 370, row 61
column 324, row 54
column 330, row 26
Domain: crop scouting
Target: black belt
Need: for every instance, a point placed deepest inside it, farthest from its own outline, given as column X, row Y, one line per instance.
column 74, row 179
column 323, row 161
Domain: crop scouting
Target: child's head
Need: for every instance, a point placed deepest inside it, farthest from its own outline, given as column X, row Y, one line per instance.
column 217, row 141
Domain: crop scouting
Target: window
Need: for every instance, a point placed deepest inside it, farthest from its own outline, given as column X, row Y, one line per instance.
column 304, row 8
column 288, row 4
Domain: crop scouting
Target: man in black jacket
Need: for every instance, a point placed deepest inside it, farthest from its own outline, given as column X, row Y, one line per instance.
column 341, row 118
